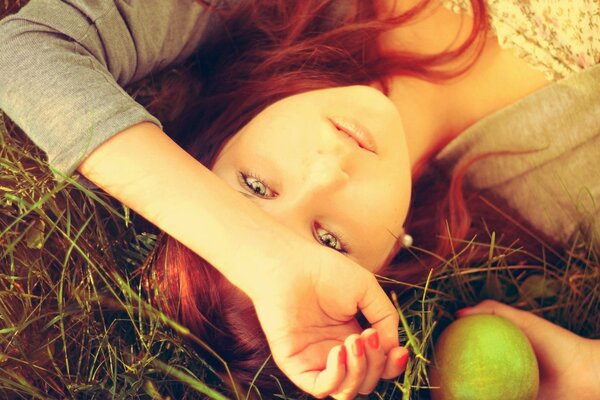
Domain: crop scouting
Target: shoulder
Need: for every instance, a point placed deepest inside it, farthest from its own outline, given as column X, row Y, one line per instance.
column 548, row 147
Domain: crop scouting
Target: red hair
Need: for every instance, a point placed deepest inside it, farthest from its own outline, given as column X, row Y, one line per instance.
column 269, row 50
column 200, row 298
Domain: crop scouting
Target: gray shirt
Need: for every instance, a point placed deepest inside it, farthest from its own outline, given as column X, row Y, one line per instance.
column 63, row 65
column 552, row 179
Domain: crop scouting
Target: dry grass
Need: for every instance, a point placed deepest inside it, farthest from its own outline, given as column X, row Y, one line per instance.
column 74, row 324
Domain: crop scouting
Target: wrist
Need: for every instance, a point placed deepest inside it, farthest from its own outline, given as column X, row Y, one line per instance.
column 144, row 169
column 259, row 250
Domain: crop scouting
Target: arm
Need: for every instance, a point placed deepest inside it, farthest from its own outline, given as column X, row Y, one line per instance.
column 144, row 169
column 61, row 67
column 305, row 295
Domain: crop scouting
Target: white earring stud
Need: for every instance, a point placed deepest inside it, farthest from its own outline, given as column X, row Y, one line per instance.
column 406, row 240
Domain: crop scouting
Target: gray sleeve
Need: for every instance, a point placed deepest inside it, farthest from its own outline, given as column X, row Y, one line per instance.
column 63, row 65
column 548, row 170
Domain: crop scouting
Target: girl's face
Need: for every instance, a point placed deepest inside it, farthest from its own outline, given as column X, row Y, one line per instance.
column 331, row 164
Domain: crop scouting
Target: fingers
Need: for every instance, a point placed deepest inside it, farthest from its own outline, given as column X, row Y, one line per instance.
column 395, row 363
column 329, row 379
column 381, row 313
column 529, row 323
column 367, row 364
column 356, row 368
column 375, row 359
column 496, row 308
column 380, row 365
column 566, row 360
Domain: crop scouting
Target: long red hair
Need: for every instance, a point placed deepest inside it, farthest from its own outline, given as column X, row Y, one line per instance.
column 268, row 50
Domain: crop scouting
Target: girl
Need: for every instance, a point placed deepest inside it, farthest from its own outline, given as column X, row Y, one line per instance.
column 274, row 67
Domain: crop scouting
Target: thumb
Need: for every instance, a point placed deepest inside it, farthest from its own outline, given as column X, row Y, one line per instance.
column 381, row 314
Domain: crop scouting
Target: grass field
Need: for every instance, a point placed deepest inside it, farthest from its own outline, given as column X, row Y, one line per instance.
column 74, row 321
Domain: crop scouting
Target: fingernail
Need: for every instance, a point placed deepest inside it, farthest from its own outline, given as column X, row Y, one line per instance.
column 463, row 311
column 343, row 356
column 358, row 347
column 374, row 341
column 402, row 361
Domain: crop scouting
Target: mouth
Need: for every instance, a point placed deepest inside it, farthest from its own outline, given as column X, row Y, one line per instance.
column 355, row 131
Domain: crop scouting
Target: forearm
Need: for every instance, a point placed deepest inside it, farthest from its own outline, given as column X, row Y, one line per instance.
column 144, row 169
column 595, row 368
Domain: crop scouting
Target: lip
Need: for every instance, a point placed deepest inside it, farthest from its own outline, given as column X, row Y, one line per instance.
column 356, row 131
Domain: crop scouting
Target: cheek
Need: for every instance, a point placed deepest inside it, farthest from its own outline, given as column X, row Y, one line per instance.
column 399, row 180
column 389, row 208
column 381, row 209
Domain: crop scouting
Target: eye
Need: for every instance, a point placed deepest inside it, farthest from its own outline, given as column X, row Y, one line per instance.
column 256, row 185
column 326, row 238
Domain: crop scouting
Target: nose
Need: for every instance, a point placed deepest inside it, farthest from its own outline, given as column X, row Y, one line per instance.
column 325, row 168
column 321, row 181
column 319, row 177
column 324, row 174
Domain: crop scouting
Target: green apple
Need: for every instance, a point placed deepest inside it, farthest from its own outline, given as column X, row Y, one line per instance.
column 484, row 357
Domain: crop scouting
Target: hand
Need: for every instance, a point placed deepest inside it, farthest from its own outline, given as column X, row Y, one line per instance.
column 305, row 295
column 569, row 364
column 307, row 312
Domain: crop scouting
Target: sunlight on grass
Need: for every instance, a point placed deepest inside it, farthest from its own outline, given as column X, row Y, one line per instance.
column 75, row 322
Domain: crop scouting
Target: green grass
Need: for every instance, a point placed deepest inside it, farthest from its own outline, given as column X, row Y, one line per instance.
column 74, row 322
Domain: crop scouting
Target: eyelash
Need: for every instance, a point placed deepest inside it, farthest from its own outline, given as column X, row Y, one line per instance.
column 344, row 248
column 243, row 177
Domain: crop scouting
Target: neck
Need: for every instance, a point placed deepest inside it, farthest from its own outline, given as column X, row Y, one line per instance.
column 435, row 113
column 432, row 113
column 426, row 116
